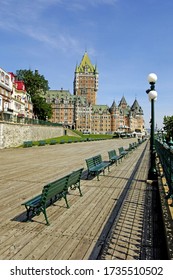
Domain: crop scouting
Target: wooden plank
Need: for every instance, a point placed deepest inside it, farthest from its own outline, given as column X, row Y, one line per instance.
column 72, row 229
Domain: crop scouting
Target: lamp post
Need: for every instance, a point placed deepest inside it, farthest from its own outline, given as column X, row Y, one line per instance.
column 162, row 130
column 152, row 94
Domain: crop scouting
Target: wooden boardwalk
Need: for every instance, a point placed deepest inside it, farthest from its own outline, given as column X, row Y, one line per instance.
column 73, row 232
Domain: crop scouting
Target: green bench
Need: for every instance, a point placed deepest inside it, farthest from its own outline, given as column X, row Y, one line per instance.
column 53, row 142
column 51, row 193
column 74, row 180
column 122, row 152
column 62, row 142
column 113, row 157
column 96, row 165
column 130, row 148
column 41, row 143
column 27, row 144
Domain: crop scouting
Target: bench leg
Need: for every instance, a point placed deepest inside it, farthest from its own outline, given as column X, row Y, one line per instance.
column 78, row 186
column 98, row 176
column 45, row 215
column 27, row 213
column 66, row 201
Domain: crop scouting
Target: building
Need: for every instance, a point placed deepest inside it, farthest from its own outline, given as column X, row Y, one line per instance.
column 5, row 94
column 86, row 80
column 21, row 103
column 80, row 110
column 14, row 100
column 70, row 110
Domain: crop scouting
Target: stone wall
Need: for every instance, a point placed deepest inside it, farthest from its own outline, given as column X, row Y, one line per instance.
column 13, row 135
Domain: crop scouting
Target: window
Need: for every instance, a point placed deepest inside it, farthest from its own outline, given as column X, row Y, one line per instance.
column 7, row 80
column 2, row 76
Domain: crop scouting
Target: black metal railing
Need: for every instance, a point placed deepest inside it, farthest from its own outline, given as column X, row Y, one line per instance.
column 22, row 120
column 165, row 153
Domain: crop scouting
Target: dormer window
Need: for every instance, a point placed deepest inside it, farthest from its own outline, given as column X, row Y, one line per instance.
column 86, row 69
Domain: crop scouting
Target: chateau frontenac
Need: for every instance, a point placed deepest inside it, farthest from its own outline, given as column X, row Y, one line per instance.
column 80, row 110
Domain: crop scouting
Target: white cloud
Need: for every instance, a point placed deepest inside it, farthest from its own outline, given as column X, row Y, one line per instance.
column 29, row 18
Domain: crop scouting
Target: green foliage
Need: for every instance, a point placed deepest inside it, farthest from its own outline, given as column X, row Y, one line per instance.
column 78, row 132
column 34, row 82
column 168, row 126
column 36, row 86
column 41, row 109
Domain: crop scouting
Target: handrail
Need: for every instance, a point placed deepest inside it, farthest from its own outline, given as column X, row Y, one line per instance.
column 165, row 153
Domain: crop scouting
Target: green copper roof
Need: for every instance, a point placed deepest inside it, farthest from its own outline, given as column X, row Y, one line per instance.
column 58, row 93
column 66, row 95
column 86, row 65
column 100, row 109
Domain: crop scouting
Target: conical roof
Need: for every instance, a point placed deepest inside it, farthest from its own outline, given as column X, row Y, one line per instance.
column 123, row 101
column 85, row 65
column 113, row 107
column 136, row 108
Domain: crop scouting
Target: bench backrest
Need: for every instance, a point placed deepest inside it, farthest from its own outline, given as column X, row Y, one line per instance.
column 94, row 161
column 75, row 177
column 121, row 149
column 52, row 189
column 97, row 159
column 90, row 163
column 112, row 154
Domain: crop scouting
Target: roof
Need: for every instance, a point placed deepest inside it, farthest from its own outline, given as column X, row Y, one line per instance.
column 65, row 94
column 113, row 107
column 58, row 93
column 100, row 109
column 86, row 65
column 123, row 101
column 136, row 108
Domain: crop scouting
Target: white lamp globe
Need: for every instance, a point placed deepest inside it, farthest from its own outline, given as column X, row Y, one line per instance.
column 152, row 78
column 152, row 95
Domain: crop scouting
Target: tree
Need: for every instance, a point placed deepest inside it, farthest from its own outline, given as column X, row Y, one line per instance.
column 37, row 86
column 168, row 126
column 41, row 109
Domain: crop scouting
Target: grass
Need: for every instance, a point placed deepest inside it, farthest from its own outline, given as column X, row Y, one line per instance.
column 72, row 139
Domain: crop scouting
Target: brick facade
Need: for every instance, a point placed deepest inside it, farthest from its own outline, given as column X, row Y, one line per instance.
column 80, row 110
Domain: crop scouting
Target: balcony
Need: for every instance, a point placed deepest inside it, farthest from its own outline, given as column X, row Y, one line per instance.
column 9, row 110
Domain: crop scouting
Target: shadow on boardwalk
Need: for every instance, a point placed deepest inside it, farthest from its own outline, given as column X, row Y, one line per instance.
column 73, row 233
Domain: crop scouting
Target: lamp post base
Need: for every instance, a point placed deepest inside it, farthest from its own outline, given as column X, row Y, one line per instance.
column 152, row 174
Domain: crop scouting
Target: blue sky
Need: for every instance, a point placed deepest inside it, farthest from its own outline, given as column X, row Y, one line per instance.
column 127, row 39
